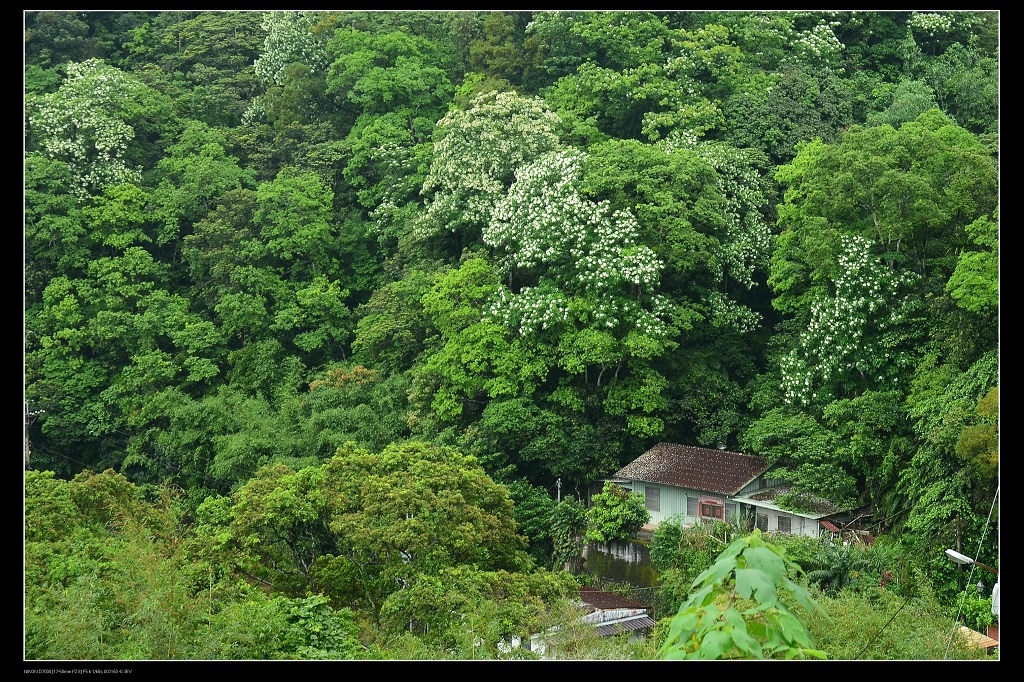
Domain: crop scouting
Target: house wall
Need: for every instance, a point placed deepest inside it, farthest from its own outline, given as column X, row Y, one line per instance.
column 673, row 500
column 752, row 487
column 673, row 503
column 763, row 481
column 799, row 525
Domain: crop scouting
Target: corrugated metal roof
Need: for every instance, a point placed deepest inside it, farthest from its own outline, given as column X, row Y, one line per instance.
column 717, row 471
column 599, row 599
column 625, row 625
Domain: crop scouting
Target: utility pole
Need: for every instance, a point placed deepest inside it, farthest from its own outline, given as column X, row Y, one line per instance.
column 30, row 418
column 557, row 483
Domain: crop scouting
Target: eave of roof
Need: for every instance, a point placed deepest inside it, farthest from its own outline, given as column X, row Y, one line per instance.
column 977, row 639
column 831, row 527
column 631, row 624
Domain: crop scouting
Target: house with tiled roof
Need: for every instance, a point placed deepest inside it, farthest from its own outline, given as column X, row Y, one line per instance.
column 703, row 484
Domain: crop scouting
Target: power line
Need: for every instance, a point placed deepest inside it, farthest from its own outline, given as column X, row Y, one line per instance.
column 970, row 575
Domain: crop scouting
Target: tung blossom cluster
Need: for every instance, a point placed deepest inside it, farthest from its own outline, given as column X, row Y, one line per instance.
column 544, row 229
column 476, row 155
column 853, row 332
column 289, row 38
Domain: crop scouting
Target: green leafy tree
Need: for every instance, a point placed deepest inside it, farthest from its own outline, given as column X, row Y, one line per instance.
column 775, row 111
column 109, row 574
column 568, row 526
column 966, row 83
column 910, row 99
column 615, row 514
column 500, row 51
column 974, row 284
column 534, row 513
column 276, row 628
column 195, row 173
column 979, row 443
column 206, row 59
column 680, row 555
column 475, row 611
column 948, row 499
column 673, row 94
column 888, row 624
column 360, row 526
column 352, row 403
column 56, row 240
column 807, row 450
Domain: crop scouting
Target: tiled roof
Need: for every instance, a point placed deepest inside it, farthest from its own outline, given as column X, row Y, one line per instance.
column 831, row 527
column 818, row 505
column 717, row 471
column 599, row 599
column 625, row 625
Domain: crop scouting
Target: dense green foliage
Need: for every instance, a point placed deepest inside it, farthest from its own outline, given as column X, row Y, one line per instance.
column 615, row 514
column 276, row 259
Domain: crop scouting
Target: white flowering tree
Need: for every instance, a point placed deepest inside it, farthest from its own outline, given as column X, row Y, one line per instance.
column 291, row 64
column 477, row 152
column 861, row 274
column 579, row 277
column 290, row 37
column 90, row 123
column 856, row 329
column 543, row 229
column 866, row 228
column 702, row 208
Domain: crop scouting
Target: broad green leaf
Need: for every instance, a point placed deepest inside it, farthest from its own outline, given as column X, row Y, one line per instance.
column 715, row 644
column 764, row 559
column 757, row 583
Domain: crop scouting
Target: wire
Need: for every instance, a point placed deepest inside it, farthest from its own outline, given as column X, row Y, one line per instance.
column 970, row 576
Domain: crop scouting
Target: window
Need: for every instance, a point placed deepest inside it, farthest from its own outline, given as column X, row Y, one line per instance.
column 785, row 524
column 691, row 506
column 652, row 497
column 712, row 511
column 762, row 522
column 730, row 511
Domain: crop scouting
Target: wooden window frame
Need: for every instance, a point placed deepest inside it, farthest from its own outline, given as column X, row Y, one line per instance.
column 717, row 511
